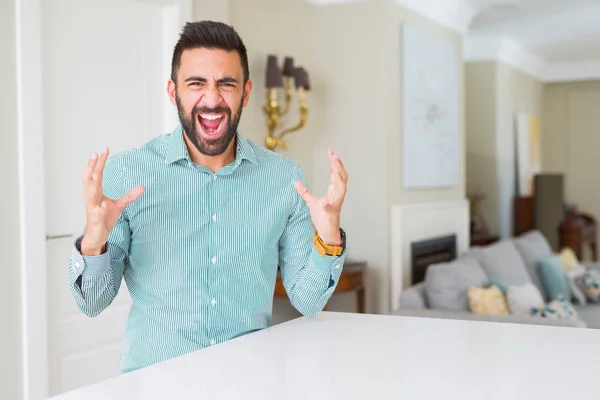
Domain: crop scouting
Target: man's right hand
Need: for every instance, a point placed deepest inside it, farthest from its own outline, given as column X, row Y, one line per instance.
column 102, row 213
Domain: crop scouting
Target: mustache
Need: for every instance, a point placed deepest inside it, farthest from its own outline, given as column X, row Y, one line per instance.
column 216, row 110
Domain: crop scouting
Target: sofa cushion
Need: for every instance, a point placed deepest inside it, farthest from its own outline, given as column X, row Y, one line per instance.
column 446, row 284
column 590, row 283
column 522, row 299
column 414, row 297
column 556, row 309
column 576, row 282
column 533, row 248
column 589, row 313
column 569, row 259
column 487, row 300
column 555, row 279
column 501, row 262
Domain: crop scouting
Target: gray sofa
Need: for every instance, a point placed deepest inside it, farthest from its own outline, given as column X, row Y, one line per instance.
column 514, row 261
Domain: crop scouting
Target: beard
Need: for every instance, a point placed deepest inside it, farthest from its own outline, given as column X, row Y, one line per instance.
column 191, row 124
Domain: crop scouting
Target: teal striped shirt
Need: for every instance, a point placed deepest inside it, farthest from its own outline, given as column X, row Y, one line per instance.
column 199, row 250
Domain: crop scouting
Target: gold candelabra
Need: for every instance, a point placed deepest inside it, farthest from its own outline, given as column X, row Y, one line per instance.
column 291, row 77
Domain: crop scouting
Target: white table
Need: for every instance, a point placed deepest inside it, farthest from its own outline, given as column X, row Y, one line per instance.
column 362, row 356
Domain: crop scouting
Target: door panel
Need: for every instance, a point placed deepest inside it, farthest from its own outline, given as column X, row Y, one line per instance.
column 87, row 368
column 105, row 69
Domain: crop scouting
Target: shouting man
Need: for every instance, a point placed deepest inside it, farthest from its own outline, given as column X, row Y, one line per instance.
column 199, row 220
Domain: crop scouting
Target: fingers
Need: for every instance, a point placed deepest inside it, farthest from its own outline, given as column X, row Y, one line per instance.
column 337, row 189
column 303, row 192
column 92, row 179
column 337, row 165
column 338, row 181
column 129, row 197
column 89, row 167
column 99, row 168
column 92, row 191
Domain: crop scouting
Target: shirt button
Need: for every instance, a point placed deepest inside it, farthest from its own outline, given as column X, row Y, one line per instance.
column 336, row 266
column 213, row 302
column 212, row 342
column 214, row 217
column 214, row 260
column 214, row 177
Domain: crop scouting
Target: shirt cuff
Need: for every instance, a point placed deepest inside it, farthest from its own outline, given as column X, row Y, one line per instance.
column 90, row 265
column 327, row 264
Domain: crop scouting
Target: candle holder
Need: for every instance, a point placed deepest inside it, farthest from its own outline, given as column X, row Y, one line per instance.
column 289, row 78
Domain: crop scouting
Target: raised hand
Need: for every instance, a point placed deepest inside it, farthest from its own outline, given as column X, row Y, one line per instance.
column 325, row 211
column 102, row 213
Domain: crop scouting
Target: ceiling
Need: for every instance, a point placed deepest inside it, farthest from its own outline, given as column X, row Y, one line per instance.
column 554, row 40
column 555, row 30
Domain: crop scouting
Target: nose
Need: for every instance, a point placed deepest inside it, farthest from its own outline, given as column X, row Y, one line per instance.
column 211, row 97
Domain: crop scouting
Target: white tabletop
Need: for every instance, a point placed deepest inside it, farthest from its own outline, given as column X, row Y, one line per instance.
column 356, row 356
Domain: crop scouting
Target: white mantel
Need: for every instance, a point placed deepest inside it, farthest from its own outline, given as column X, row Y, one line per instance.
column 421, row 221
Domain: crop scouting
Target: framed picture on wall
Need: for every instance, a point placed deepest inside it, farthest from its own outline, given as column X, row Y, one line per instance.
column 431, row 107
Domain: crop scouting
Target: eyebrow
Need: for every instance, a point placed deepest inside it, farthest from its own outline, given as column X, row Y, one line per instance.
column 226, row 79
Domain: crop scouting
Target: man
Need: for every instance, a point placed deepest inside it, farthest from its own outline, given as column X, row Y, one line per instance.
column 197, row 221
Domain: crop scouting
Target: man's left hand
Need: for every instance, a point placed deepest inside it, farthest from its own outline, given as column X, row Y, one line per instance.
column 325, row 211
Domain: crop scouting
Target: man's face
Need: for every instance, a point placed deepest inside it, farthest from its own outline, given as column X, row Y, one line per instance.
column 209, row 95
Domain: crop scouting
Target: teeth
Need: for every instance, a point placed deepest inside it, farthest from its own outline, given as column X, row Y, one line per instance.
column 210, row 116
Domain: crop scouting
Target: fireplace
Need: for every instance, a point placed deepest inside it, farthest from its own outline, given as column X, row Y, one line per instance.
column 430, row 251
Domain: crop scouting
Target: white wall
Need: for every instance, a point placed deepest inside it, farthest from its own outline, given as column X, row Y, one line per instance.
column 355, row 107
column 496, row 93
column 10, row 334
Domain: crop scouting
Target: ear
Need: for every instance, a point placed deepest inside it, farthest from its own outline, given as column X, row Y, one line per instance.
column 247, row 90
column 171, row 91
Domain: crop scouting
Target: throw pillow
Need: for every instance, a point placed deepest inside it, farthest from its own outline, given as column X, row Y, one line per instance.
column 591, row 284
column 554, row 278
column 568, row 258
column 556, row 309
column 521, row 299
column 501, row 285
column 489, row 300
column 577, row 286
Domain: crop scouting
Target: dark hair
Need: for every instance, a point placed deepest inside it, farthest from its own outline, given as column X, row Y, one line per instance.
column 208, row 35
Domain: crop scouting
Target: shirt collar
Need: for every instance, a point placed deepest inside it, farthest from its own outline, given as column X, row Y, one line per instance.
column 177, row 149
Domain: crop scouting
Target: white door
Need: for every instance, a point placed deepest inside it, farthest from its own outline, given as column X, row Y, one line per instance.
column 105, row 65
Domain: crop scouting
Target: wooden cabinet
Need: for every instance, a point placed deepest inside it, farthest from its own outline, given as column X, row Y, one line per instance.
column 351, row 280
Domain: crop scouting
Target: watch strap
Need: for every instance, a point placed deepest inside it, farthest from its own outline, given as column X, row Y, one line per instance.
column 326, row 249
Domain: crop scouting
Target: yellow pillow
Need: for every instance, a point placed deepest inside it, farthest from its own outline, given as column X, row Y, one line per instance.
column 569, row 259
column 488, row 300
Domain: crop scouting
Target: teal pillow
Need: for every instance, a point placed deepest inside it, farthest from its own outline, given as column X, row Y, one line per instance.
column 502, row 286
column 555, row 279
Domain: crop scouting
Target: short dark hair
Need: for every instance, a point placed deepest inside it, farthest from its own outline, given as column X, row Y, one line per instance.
column 209, row 35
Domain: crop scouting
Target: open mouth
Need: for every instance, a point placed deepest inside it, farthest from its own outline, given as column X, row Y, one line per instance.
column 212, row 124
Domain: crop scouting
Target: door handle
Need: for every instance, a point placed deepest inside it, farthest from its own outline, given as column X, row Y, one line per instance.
column 66, row 235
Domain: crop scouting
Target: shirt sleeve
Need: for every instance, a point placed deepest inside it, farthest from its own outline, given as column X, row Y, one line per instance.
column 309, row 278
column 95, row 280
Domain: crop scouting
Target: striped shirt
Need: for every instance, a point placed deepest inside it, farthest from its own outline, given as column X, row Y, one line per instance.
column 199, row 250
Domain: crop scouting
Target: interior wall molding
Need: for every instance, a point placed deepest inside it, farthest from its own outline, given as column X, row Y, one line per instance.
column 453, row 14
column 502, row 49
column 572, row 71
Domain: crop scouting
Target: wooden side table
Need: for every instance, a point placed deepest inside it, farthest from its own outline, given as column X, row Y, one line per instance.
column 351, row 280
column 483, row 240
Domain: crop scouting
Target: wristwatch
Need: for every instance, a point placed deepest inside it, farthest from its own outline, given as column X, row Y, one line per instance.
column 330, row 250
